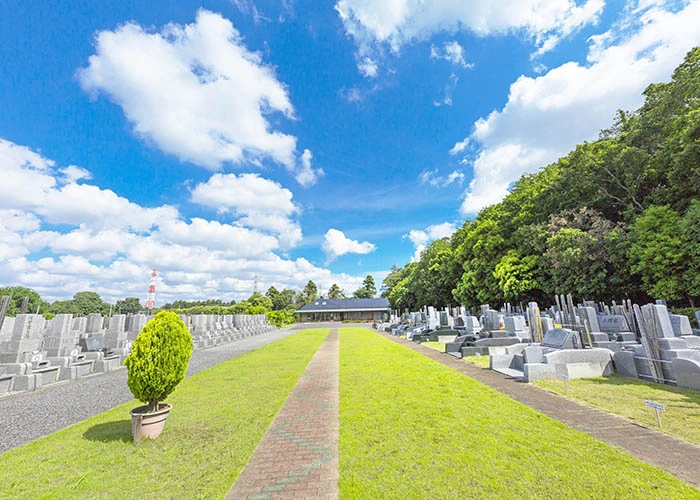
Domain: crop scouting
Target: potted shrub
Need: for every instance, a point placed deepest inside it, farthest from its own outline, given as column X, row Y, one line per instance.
column 157, row 363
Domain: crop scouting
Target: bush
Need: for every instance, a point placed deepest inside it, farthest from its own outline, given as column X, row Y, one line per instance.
column 159, row 358
column 280, row 318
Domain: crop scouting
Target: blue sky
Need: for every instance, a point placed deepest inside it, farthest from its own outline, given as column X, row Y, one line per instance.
column 223, row 140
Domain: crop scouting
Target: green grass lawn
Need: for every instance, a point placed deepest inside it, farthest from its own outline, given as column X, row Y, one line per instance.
column 626, row 396
column 218, row 418
column 482, row 361
column 412, row 428
column 438, row 346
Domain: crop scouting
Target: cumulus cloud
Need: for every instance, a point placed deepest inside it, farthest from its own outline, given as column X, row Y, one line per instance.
column 421, row 237
column 257, row 202
column 195, row 91
column 452, row 52
column 374, row 25
column 545, row 117
column 74, row 174
column 335, row 244
column 108, row 244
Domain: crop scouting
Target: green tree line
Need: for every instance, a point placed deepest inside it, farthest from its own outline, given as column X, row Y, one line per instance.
column 615, row 218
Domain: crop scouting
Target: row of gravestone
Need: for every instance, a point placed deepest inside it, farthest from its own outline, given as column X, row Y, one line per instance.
column 35, row 352
column 673, row 356
column 212, row 329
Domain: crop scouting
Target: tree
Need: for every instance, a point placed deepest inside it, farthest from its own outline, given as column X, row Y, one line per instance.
column 690, row 246
column 335, row 292
column 129, row 305
column 368, row 289
column 274, row 295
column 260, row 300
column 159, row 358
column 90, row 302
column 309, row 293
column 17, row 295
column 516, row 275
column 287, row 300
column 656, row 252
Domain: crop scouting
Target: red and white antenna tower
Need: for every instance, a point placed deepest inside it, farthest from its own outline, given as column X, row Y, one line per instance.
column 151, row 302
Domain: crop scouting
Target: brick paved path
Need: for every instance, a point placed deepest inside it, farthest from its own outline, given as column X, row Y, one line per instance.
column 677, row 457
column 298, row 456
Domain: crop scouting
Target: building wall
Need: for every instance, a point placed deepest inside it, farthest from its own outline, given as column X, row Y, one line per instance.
column 343, row 316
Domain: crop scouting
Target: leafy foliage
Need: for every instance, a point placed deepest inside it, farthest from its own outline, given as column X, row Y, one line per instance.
column 615, row 218
column 335, row 292
column 129, row 305
column 309, row 293
column 17, row 295
column 368, row 289
column 159, row 358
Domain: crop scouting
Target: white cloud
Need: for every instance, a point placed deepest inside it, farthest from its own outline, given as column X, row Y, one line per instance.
column 421, row 238
column 545, row 117
column 449, row 89
column 258, row 203
column 30, row 182
column 243, row 194
column 367, row 67
column 335, row 244
column 452, row 52
column 352, row 94
column 108, row 244
column 431, row 177
column 73, row 174
column 306, row 175
column 374, row 25
column 195, row 91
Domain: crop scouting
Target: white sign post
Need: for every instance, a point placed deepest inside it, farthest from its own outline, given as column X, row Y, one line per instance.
column 657, row 408
column 565, row 378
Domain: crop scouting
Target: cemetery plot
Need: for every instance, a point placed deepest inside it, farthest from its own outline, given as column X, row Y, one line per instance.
column 35, row 352
column 410, row 428
column 626, row 397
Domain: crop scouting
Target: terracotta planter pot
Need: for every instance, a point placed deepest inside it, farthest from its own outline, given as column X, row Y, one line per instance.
column 146, row 425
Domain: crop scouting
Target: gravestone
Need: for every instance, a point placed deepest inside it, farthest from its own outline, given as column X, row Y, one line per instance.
column 94, row 323
column 25, row 340
column 60, row 339
column 612, row 323
column 561, row 338
column 6, row 330
column 680, row 325
column 589, row 314
column 515, row 323
column 80, row 325
column 491, row 321
column 115, row 336
column 663, row 322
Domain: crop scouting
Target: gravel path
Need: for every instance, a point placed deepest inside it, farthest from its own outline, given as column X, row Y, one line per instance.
column 31, row 415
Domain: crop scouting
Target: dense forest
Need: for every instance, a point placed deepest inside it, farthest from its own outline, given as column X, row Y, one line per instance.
column 615, row 218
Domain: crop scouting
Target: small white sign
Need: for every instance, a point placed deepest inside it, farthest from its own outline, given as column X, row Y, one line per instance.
column 565, row 378
column 655, row 405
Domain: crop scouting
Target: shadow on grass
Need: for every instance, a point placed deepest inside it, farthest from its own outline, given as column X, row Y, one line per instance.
column 119, row 430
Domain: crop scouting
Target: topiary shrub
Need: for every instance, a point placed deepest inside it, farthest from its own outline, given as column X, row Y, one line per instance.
column 159, row 358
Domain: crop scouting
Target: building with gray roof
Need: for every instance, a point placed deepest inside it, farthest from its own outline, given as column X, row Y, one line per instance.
column 345, row 309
